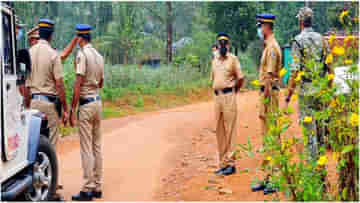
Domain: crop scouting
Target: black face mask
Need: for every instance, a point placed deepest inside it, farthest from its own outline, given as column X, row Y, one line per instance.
column 223, row 49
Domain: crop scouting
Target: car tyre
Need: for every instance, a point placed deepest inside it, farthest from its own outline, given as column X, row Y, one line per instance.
column 45, row 173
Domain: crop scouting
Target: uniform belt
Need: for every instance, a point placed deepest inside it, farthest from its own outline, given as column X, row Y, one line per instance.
column 224, row 91
column 262, row 88
column 47, row 98
column 84, row 101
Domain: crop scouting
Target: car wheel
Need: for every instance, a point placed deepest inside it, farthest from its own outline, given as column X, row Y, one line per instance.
column 45, row 172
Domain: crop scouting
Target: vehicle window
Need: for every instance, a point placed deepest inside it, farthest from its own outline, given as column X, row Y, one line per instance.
column 7, row 44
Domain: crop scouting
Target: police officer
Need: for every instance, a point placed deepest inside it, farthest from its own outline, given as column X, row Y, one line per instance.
column 33, row 36
column 227, row 78
column 89, row 81
column 307, row 45
column 46, row 81
column 270, row 67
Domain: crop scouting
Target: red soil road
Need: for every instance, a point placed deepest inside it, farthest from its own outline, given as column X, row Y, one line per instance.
column 166, row 155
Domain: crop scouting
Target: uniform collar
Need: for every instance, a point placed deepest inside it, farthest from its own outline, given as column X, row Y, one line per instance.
column 307, row 29
column 269, row 39
column 87, row 46
column 42, row 41
column 219, row 56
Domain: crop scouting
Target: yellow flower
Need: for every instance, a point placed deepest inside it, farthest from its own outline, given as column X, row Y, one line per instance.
column 349, row 38
column 308, row 119
column 268, row 158
column 348, row 61
column 329, row 59
column 339, row 51
column 299, row 76
column 283, row 146
column 333, row 103
column 294, row 98
column 331, row 76
column 354, row 119
column 343, row 15
column 282, row 72
column 332, row 38
column 322, row 161
column 255, row 83
column 336, row 155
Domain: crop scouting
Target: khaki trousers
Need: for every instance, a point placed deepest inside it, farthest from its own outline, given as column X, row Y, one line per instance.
column 91, row 145
column 53, row 118
column 267, row 108
column 226, row 120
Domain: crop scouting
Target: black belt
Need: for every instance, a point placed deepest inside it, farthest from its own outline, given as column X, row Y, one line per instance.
column 262, row 88
column 84, row 101
column 224, row 91
column 43, row 97
column 50, row 98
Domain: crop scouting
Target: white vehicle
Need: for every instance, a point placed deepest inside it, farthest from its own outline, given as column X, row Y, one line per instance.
column 28, row 165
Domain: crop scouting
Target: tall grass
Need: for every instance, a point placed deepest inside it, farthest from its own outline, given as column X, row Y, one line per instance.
column 130, row 79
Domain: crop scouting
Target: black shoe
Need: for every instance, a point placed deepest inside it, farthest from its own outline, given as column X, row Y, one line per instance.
column 258, row 187
column 270, row 189
column 83, row 196
column 219, row 172
column 97, row 194
column 229, row 171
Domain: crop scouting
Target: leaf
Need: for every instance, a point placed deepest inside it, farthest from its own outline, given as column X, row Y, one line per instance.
column 344, row 193
column 347, row 149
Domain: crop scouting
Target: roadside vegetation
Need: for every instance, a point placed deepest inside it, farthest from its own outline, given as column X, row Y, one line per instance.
column 284, row 155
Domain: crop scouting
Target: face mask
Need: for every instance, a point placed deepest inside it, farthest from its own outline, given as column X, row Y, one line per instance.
column 261, row 36
column 223, row 51
column 214, row 53
column 77, row 46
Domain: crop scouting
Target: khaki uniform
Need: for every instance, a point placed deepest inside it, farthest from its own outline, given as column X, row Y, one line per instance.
column 270, row 67
column 46, row 68
column 225, row 74
column 90, row 64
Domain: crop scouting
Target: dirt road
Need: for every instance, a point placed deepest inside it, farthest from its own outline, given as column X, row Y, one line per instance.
column 166, row 155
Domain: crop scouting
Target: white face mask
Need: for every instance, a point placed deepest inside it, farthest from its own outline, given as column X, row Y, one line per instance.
column 214, row 53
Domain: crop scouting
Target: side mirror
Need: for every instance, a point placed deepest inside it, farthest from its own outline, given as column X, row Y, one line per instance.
column 23, row 65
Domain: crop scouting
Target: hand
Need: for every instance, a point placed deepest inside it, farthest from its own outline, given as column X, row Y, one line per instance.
column 65, row 118
column 72, row 119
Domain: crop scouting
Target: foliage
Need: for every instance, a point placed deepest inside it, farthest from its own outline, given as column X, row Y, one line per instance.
column 292, row 169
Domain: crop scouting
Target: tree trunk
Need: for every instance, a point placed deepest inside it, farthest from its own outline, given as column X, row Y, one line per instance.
column 169, row 33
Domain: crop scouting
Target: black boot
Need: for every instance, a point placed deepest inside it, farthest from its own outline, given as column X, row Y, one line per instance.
column 219, row 172
column 259, row 187
column 270, row 189
column 229, row 171
column 83, row 196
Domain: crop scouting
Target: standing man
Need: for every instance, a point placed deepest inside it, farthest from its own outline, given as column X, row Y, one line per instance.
column 33, row 36
column 308, row 45
column 270, row 67
column 227, row 79
column 46, row 82
column 89, row 81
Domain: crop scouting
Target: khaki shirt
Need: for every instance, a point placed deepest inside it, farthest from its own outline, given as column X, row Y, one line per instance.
column 271, row 61
column 225, row 72
column 90, row 64
column 46, row 68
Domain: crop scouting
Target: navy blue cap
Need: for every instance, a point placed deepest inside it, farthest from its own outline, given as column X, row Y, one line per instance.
column 83, row 28
column 265, row 18
column 46, row 24
column 223, row 36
